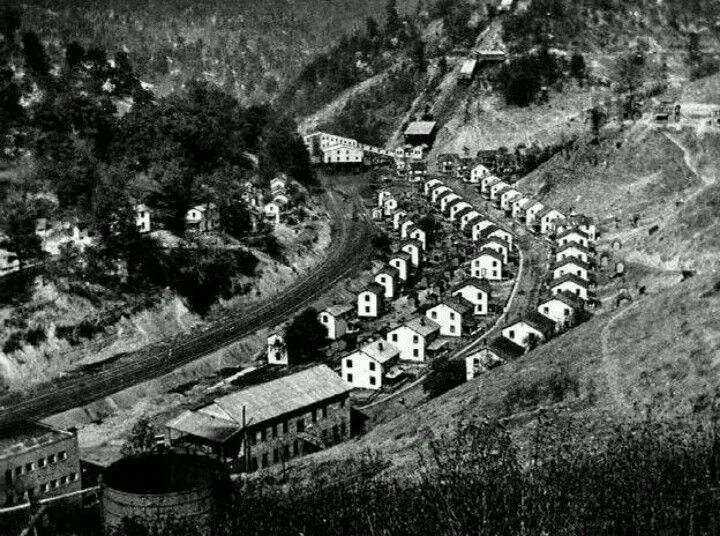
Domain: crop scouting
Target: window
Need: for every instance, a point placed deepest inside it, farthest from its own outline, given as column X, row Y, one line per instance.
column 335, row 433
column 325, row 319
column 314, row 415
column 349, row 378
column 452, row 329
column 274, row 430
column 285, row 427
column 546, row 310
column 51, row 459
column 367, row 310
column 416, row 352
column 567, row 312
column 372, row 380
column 452, row 316
column 262, row 435
column 416, row 339
column 367, row 297
column 342, row 427
column 41, row 462
column 394, row 337
column 53, row 484
column 324, row 411
column 62, row 455
column 512, row 333
column 479, row 296
column 494, row 264
column 372, row 366
column 63, row 480
column 494, row 273
column 43, row 488
column 433, row 315
column 265, row 459
column 73, row 477
column 18, row 470
column 28, row 467
column 300, row 425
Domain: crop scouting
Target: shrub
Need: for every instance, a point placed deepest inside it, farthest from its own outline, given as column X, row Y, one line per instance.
column 13, row 343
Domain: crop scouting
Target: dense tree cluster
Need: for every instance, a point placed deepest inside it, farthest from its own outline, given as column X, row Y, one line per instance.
column 522, row 78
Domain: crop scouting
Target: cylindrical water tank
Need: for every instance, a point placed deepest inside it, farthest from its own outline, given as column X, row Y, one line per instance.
column 163, row 492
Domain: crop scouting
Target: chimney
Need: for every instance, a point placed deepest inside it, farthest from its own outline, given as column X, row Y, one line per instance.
column 380, row 346
column 422, row 320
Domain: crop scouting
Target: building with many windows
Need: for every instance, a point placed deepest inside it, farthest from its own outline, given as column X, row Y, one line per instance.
column 37, row 461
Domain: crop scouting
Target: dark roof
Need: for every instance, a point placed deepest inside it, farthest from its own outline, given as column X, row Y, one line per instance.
column 388, row 270
column 454, row 202
column 444, row 194
column 568, row 299
column 26, row 435
column 505, row 349
column 482, row 284
column 375, row 288
column 208, row 427
column 497, row 240
column 411, row 241
column 448, row 157
column 420, row 128
column 491, row 253
column 572, row 260
column 572, row 230
column 570, row 277
column 576, row 246
column 539, row 322
column 460, row 305
column 463, row 211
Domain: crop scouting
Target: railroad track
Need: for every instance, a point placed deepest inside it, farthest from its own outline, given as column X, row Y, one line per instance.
column 351, row 246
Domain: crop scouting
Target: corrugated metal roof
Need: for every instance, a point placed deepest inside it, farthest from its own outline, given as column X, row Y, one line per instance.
column 278, row 397
column 205, row 426
column 380, row 351
column 420, row 128
column 423, row 325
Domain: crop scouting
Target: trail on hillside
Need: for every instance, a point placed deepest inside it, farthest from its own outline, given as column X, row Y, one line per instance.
column 689, row 162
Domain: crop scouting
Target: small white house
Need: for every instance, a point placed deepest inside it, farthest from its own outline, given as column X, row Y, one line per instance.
column 366, row 368
column 437, row 192
column 479, row 227
column 398, row 217
column 457, row 208
column 272, row 212
column 562, row 309
column 453, row 315
column 277, row 353
column 519, row 206
column 498, row 232
column 476, row 292
column 572, row 285
column 418, row 234
column 402, row 262
column 405, row 227
column 335, row 319
column 507, row 198
column 547, row 219
column 142, row 218
column 388, row 277
column 573, row 251
column 496, row 189
column 533, row 325
column 383, row 195
column 414, row 249
column 389, row 206
column 429, row 185
column 572, row 266
column 203, row 218
column 9, row 262
column 498, row 245
column 486, row 182
column 466, row 218
column 531, row 212
column 477, row 173
column 277, row 185
column 370, row 301
column 413, row 337
column 573, row 236
column 479, row 362
column 487, row 264
column 446, row 200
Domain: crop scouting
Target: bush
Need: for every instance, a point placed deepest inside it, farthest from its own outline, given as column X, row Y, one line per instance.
column 13, row 343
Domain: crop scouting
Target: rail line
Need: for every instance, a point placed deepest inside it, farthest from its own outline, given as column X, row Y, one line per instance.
column 351, row 246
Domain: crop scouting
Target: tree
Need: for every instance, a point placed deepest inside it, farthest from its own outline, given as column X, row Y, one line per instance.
column 19, row 219
column 10, row 22
column 34, row 53
column 598, row 117
column 141, row 439
column 304, row 337
column 393, row 24
column 578, row 69
column 445, row 374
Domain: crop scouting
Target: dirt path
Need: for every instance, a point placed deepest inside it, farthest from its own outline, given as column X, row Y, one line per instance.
column 610, row 364
column 688, row 158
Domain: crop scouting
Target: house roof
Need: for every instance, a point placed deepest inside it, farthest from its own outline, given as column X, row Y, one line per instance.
column 534, row 319
column 505, row 349
column 432, row 183
column 572, row 230
column 415, row 228
column 495, row 240
column 572, row 260
column 278, row 397
column 411, row 242
column 500, row 191
column 490, row 253
column 27, row 435
column 389, row 270
column 574, row 245
column 499, row 185
column 476, row 282
column 536, row 204
column 422, row 325
column 375, row 288
column 420, row 128
column 491, row 181
column 404, row 255
column 339, row 309
column 565, row 297
column 547, row 210
column 463, row 211
column 523, row 201
column 454, row 202
column 477, row 218
column 458, row 304
column 381, row 351
column 569, row 277
column 444, row 193
column 448, row 157
column 208, row 427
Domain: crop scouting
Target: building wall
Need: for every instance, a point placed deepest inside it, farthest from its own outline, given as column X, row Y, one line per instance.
column 414, row 253
column 573, row 239
column 23, row 474
column 520, row 332
column 410, row 344
column 337, row 327
column 368, row 305
column 450, row 321
column 557, row 311
column 271, row 442
column 401, row 266
column 487, row 268
column 276, row 350
column 388, row 283
column 361, row 371
column 572, row 253
column 570, row 269
column 477, row 297
column 572, row 288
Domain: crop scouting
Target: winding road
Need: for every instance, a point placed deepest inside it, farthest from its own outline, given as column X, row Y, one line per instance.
column 351, row 247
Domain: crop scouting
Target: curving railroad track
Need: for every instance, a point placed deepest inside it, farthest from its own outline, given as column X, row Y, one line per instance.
column 351, row 246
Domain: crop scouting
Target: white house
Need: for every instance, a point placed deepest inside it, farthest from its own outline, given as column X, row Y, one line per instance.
column 479, row 362
column 277, row 353
column 272, row 212
column 203, row 218
column 277, row 185
column 413, row 337
column 573, row 251
column 479, row 227
column 437, row 192
column 9, row 262
column 547, row 219
column 383, row 195
column 487, row 264
column 574, row 267
column 370, row 301
column 468, row 217
column 573, row 236
column 429, row 185
column 531, row 212
column 414, row 249
column 142, row 218
column 341, row 154
column 498, row 232
column 446, row 200
column 571, row 284
column 475, row 291
column 388, row 277
column 418, row 152
column 389, row 206
column 519, row 206
column 398, row 218
column 335, row 319
column 457, row 208
column 477, row 173
column 453, row 315
column 497, row 244
column 533, row 325
column 402, row 262
column 561, row 308
column 323, row 140
column 583, row 223
column 486, row 182
column 418, row 234
column 405, row 226
column 496, row 188
column 366, row 367
column 507, row 198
